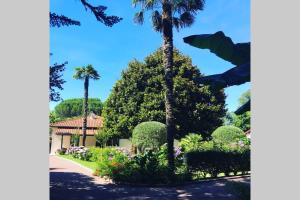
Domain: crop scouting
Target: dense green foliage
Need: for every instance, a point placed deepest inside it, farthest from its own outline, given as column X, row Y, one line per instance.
column 246, row 96
column 56, row 81
column 149, row 135
column 102, row 138
column 241, row 121
column 53, row 117
column 139, row 96
column 227, row 135
column 74, row 107
column 214, row 162
column 194, row 142
column 146, row 168
column 75, row 139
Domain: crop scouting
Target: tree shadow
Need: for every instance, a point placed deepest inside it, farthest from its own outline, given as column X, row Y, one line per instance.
column 76, row 186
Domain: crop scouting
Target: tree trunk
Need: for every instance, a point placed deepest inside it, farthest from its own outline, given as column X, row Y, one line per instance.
column 168, row 65
column 85, row 109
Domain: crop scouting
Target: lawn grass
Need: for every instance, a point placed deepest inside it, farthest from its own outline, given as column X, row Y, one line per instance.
column 88, row 164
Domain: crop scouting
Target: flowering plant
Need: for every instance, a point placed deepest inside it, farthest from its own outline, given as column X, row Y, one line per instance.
column 81, row 152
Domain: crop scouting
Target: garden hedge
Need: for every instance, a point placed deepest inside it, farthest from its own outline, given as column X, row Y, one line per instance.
column 214, row 162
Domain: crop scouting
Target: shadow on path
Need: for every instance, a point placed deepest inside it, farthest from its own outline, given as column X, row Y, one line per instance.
column 76, row 186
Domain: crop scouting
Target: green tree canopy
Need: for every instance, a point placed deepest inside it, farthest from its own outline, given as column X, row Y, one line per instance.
column 241, row 121
column 244, row 97
column 74, row 107
column 139, row 96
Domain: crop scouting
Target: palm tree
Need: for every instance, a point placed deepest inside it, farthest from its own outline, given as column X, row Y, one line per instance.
column 85, row 73
column 167, row 14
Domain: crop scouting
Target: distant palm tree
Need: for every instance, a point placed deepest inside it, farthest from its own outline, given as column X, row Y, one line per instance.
column 85, row 73
column 165, row 15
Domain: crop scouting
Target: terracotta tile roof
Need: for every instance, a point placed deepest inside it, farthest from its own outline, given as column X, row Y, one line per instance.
column 67, row 131
column 93, row 121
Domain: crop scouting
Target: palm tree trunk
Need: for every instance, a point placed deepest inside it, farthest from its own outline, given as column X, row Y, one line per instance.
column 85, row 109
column 168, row 65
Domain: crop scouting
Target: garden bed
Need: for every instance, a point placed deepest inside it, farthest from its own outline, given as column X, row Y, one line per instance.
column 196, row 179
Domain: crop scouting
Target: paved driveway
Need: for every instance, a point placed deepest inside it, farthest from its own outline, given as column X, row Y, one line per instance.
column 69, row 181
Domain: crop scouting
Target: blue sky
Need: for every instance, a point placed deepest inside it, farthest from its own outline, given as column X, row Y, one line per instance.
column 109, row 50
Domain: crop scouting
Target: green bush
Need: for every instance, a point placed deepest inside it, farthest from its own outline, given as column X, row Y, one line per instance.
column 102, row 138
column 190, row 142
column 75, row 139
column 149, row 135
column 110, row 162
column 214, row 162
column 194, row 142
column 61, row 151
column 149, row 167
column 94, row 153
column 228, row 136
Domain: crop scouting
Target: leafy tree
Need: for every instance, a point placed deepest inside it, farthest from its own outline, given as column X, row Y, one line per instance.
column 243, row 120
column 139, row 96
column 56, row 81
column 74, row 107
column 102, row 138
column 53, row 117
column 85, row 73
column 98, row 11
column 244, row 97
column 56, row 20
column 166, row 15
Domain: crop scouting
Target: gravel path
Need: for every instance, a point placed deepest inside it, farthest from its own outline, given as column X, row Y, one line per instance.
column 69, row 181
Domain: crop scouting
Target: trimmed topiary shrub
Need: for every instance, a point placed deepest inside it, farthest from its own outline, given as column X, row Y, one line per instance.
column 227, row 135
column 149, row 135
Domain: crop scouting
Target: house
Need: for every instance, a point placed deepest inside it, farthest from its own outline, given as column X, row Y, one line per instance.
column 63, row 130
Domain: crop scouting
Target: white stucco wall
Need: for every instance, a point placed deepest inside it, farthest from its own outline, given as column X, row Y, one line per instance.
column 55, row 145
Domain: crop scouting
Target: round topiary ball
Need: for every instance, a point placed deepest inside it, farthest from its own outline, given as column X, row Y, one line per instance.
column 227, row 135
column 150, row 135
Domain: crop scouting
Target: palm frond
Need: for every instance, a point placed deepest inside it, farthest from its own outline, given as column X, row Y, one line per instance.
column 92, row 73
column 157, row 21
column 82, row 72
column 146, row 4
column 176, row 23
column 139, row 17
column 187, row 19
column 79, row 73
column 195, row 5
column 192, row 6
column 136, row 2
